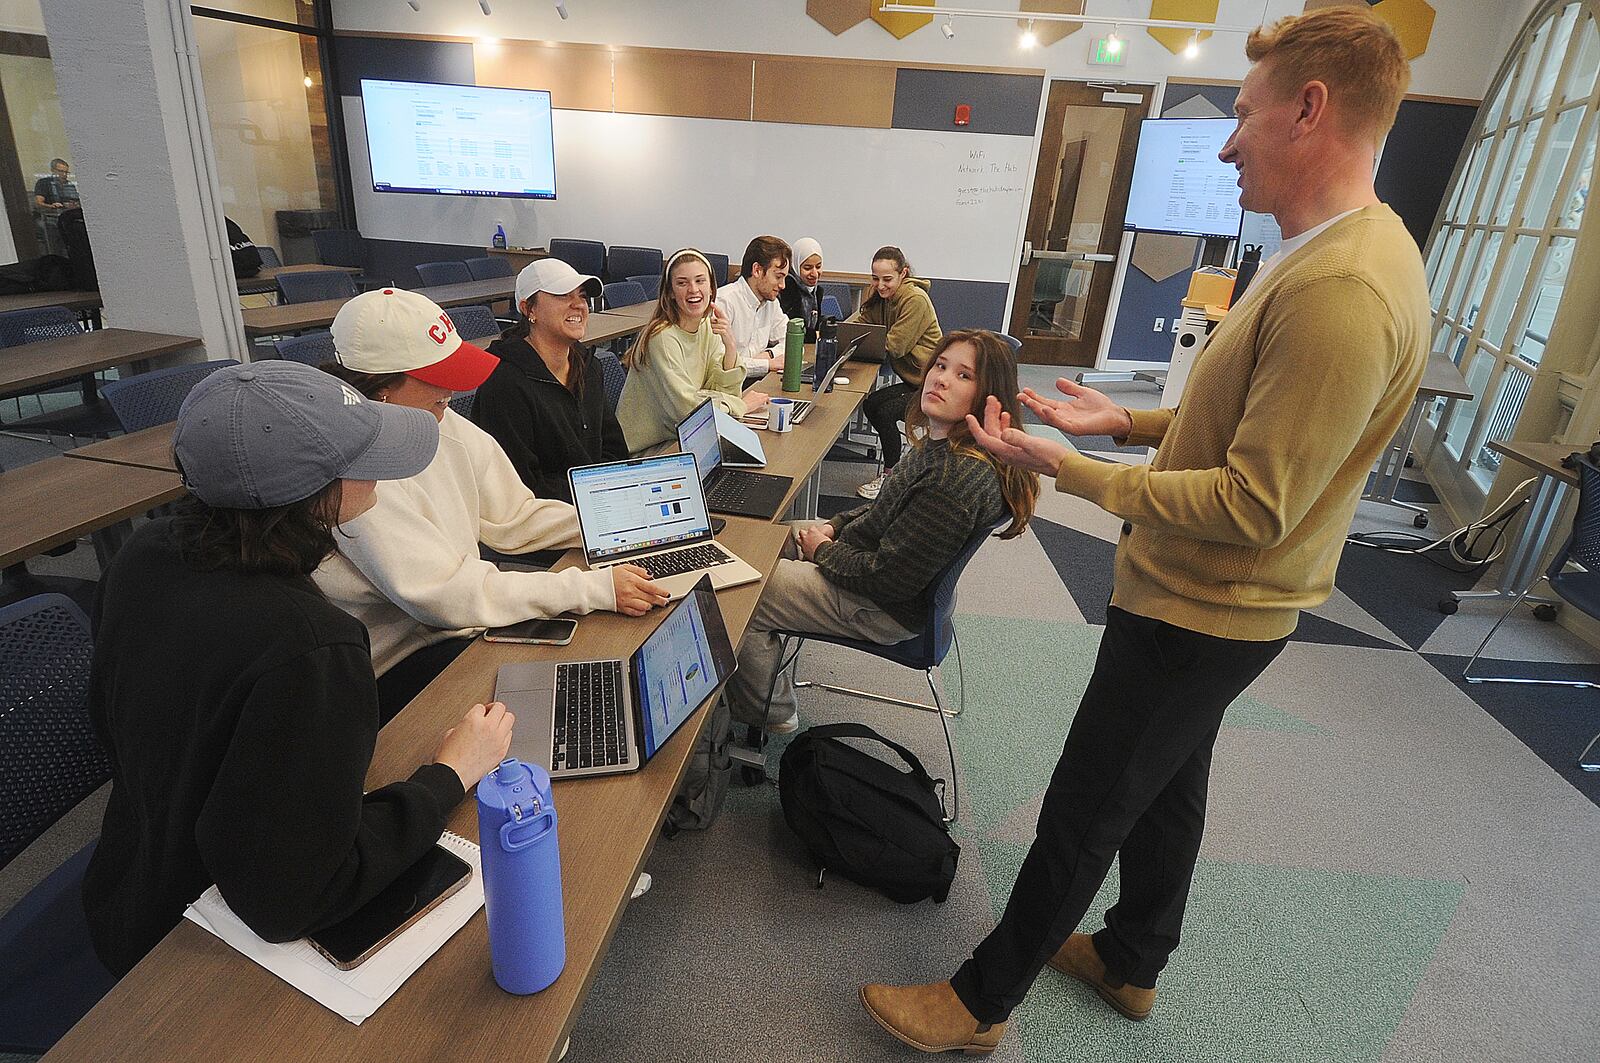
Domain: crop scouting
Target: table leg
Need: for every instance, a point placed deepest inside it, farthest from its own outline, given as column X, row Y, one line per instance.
column 1393, row 461
column 1518, row 573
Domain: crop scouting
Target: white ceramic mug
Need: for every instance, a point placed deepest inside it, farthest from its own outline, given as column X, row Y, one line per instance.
column 780, row 415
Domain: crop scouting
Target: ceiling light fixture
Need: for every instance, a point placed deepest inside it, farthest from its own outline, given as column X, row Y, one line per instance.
column 308, row 81
column 415, row 5
column 1114, row 41
column 949, row 30
column 1029, row 38
column 924, row 9
column 561, row 9
column 1192, row 49
column 485, row 5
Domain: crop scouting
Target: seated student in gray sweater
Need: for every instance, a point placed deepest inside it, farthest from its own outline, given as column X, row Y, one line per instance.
column 868, row 574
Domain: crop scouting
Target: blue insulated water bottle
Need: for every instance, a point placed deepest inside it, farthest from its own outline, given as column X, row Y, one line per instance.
column 521, row 876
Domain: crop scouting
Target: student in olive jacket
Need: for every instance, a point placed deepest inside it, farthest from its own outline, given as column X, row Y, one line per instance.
column 545, row 404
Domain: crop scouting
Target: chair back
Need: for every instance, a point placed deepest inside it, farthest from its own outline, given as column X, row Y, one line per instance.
column 316, row 285
column 845, row 294
column 831, row 308
column 462, row 401
column 340, row 247
column 650, row 282
column 624, row 261
column 49, row 756
column 435, row 273
column 720, row 265
column 489, row 266
column 474, row 323
column 933, row 641
column 624, row 293
column 1583, row 545
column 311, row 348
column 585, row 256
column 614, row 374
column 269, row 256
column 18, row 327
column 153, row 398
column 1016, row 344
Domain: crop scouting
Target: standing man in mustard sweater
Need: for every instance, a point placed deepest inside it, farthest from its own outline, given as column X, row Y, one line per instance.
column 1232, row 529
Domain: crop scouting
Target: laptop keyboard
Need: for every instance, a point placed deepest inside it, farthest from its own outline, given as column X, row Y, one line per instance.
column 677, row 562
column 589, row 731
column 732, row 488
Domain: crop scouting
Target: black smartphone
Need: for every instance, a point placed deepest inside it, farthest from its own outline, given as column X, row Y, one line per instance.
column 539, row 632
column 421, row 888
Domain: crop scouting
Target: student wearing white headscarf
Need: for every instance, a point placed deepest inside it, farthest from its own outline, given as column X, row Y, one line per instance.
column 802, row 293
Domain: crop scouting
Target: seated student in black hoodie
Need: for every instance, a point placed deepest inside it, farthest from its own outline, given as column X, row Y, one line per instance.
column 545, row 404
column 237, row 704
column 802, row 292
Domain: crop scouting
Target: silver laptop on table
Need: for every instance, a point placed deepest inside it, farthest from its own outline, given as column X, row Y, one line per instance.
column 579, row 718
column 651, row 512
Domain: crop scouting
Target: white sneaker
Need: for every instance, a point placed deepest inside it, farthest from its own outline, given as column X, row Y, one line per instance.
column 785, row 727
column 871, row 488
column 642, row 886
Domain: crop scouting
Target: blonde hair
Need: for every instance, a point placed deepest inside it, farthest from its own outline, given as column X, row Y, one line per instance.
column 666, row 311
column 1350, row 50
column 995, row 366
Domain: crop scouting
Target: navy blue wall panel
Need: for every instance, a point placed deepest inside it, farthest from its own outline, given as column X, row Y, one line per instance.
column 1001, row 103
column 1418, row 159
column 969, row 304
column 383, row 58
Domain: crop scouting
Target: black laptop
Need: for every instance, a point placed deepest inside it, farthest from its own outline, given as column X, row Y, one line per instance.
column 732, row 491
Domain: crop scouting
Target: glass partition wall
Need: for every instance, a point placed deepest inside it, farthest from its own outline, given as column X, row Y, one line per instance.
column 1498, row 262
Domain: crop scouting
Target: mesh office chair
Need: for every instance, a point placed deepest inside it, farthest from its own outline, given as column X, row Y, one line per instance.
column 845, row 294
column 650, row 282
column 614, row 374
column 1016, row 344
column 346, row 247
column 831, row 308
column 489, row 267
column 50, row 760
column 475, row 323
column 462, row 401
column 316, row 285
column 925, row 653
column 623, row 293
column 585, row 256
column 720, row 265
column 269, row 256
column 624, row 261
column 435, row 273
column 18, row 327
column 1579, row 588
column 311, row 348
column 153, row 398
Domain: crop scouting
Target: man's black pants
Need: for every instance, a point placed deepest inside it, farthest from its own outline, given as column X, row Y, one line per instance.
column 1131, row 779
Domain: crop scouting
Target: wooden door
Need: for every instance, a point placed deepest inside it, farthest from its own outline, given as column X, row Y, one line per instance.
column 1080, row 193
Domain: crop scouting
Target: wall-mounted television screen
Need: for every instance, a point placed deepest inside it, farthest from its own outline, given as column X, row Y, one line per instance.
column 1179, row 184
column 459, row 140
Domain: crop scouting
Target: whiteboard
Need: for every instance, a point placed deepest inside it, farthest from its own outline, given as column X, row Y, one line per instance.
column 952, row 201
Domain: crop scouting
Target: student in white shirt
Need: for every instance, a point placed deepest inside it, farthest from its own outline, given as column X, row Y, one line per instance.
column 409, row 568
column 757, row 322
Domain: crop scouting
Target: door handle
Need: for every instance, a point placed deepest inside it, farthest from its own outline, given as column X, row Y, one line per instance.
column 1030, row 255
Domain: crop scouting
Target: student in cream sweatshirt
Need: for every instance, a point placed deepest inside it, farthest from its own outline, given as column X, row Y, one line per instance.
column 409, row 568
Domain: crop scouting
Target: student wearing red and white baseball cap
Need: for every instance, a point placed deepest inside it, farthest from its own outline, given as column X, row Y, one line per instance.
column 409, row 568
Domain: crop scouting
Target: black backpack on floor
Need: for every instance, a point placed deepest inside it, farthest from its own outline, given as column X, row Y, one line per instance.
column 865, row 818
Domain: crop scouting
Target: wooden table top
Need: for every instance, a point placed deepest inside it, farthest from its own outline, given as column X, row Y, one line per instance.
column 54, row 501
column 65, row 357
column 34, row 300
column 797, row 452
column 294, row 317
column 1442, row 379
column 195, row 997
column 1541, row 457
column 150, row 448
column 607, row 325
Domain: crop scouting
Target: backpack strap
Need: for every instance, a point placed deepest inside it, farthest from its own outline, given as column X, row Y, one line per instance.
column 861, row 730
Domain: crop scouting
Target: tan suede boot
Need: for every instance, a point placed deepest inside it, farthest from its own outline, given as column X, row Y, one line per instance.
column 1078, row 959
column 930, row 1017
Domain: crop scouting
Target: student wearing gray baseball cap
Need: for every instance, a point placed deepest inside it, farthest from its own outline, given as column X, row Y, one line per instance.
column 237, row 704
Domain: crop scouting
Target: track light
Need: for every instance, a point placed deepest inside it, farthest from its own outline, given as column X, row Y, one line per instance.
column 485, row 5
column 1114, row 42
column 416, row 5
column 1029, row 39
column 561, row 9
column 949, row 30
column 1192, row 49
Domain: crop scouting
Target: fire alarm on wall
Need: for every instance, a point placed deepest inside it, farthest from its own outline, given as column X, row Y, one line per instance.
column 963, row 114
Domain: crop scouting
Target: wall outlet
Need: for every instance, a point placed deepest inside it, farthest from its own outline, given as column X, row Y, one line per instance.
column 1176, row 323
column 1161, row 324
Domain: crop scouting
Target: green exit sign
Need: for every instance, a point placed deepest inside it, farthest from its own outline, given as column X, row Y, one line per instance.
column 1108, row 51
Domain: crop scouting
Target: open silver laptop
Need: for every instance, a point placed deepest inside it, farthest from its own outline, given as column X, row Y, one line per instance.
column 606, row 717
column 651, row 512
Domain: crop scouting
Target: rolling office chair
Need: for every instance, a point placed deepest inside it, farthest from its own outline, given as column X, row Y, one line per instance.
column 650, row 282
column 585, row 256
column 623, row 293
column 843, row 293
column 462, row 401
column 489, row 267
column 925, row 653
column 1579, row 589
column 316, row 285
column 153, row 398
column 1016, row 344
column 19, row 327
column 50, row 760
column 436, row 273
column 269, row 256
column 310, row 348
column 624, row 261
column 475, row 323
column 90, row 419
column 615, row 375
column 720, row 265
column 347, row 247
column 831, row 307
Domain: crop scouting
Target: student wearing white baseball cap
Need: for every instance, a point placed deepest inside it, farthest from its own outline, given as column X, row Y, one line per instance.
column 546, row 402
column 237, row 705
column 409, row 569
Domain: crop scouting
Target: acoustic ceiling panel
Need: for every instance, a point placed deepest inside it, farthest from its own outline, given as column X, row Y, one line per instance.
column 1049, row 32
column 836, row 16
column 1176, row 40
column 899, row 23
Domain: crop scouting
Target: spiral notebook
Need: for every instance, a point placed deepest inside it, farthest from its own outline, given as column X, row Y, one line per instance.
column 357, row 993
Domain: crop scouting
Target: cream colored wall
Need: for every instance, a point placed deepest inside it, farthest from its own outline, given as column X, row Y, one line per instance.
column 260, row 131
column 21, row 16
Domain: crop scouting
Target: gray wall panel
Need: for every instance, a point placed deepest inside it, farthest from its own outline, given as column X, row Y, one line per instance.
column 1001, row 103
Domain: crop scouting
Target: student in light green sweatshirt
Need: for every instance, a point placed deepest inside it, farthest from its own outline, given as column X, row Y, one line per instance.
column 683, row 357
column 901, row 302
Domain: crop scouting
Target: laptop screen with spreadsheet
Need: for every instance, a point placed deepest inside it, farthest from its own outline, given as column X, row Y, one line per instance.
column 627, row 507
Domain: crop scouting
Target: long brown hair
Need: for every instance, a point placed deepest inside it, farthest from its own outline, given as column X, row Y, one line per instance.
column 996, row 368
column 289, row 540
column 887, row 253
column 666, row 311
column 577, row 353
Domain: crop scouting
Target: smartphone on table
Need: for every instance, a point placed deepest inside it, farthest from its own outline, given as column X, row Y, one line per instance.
column 534, row 632
column 420, row 889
